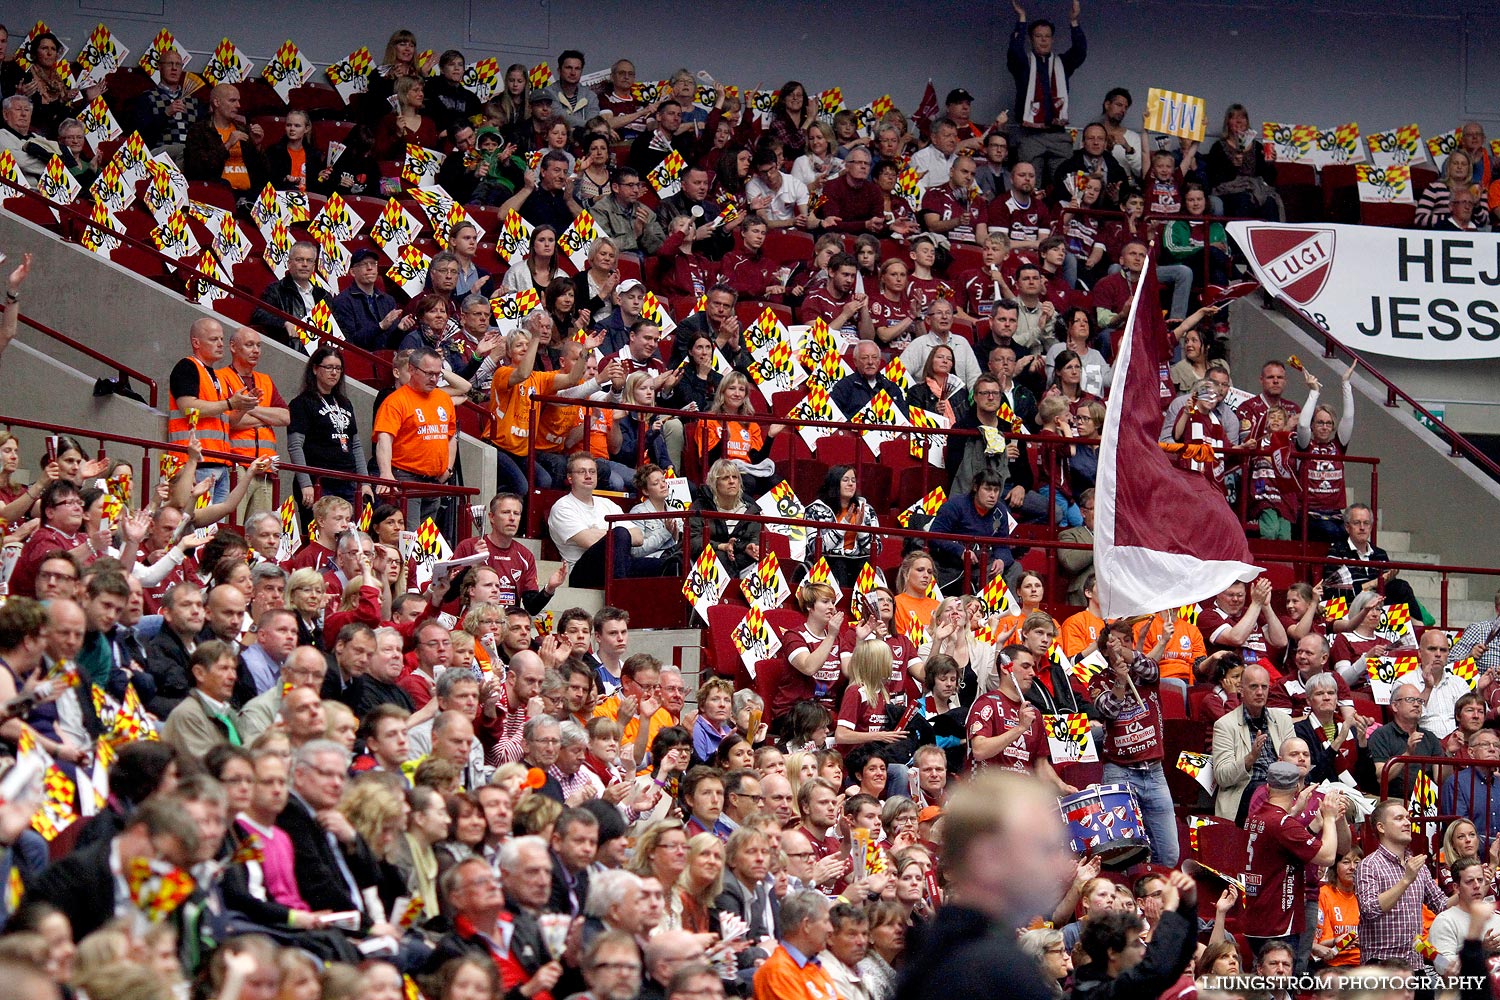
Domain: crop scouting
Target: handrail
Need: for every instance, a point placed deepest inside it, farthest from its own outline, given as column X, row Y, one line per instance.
column 81, row 348
column 182, row 267
column 146, row 444
column 1458, row 445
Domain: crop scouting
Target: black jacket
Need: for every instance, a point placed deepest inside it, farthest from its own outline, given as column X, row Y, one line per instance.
column 81, row 886
column 318, row 876
column 853, row 393
column 1168, row 954
column 167, row 663
column 283, row 295
column 962, row 954
column 279, row 164
column 558, row 901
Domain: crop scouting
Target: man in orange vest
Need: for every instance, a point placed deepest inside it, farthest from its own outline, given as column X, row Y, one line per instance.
column 793, row 971
column 255, row 434
column 416, row 434
column 204, row 407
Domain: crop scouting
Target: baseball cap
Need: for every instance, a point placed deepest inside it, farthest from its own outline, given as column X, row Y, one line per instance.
column 959, row 96
column 361, row 255
column 541, row 97
column 628, row 285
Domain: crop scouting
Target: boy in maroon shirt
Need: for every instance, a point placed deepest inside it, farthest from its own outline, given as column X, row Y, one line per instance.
column 1279, row 850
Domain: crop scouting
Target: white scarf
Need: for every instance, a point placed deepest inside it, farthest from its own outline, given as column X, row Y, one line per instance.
column 1031, row 113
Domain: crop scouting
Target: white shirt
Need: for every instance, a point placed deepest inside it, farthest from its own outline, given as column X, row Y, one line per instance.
column 965, row 365
column 1130, row 161
column 784, row 200
column 935, row 164
column 1448, row 932
column 1438, row 715
column 569, row 516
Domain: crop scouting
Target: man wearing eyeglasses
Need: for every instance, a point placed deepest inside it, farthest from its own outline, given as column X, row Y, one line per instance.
column 416, row 434
column 612, row 968
column 789, row 196
column 620, row 215
column 1439, row 688
column 1403, row 736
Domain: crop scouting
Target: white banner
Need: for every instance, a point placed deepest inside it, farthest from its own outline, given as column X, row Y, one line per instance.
column 1427, row 296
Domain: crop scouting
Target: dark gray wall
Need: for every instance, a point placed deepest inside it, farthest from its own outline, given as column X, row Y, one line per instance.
column 1381, row 63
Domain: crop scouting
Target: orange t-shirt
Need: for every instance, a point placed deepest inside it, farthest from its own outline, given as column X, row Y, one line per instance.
column 1078, row 631
column 740, row 440
column 1182, row 652
column 601, row 419
column 420, row 428
column 512, row 406
column 910, row 608
column 235, row 172
column 299, row 166
column 554, row 425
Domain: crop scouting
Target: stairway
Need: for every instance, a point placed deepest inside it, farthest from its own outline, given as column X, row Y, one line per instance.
column 680, row 646
column 1468, row 596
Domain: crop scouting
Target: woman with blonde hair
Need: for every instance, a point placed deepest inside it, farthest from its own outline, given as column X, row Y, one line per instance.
column 301, row 975
column 535, row 815
column 1433, row 207
column 952, row 634
column 307, row 595
column 801, row 765
column 916, row 581
column 377, row 812
column 715, row 716
column 736, row 542
column 661, row 853
column 700, row 883
column 745, row 443
column 407, row 125
column 862, row 712
column 341, row 724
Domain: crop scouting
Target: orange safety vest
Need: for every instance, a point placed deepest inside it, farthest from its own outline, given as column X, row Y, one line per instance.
column 249, row 442
column 213, row 432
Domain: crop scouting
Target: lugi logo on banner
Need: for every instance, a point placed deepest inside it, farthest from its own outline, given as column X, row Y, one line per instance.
column 1427, row 296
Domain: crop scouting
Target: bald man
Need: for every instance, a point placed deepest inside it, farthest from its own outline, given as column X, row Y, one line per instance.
column 223, row 149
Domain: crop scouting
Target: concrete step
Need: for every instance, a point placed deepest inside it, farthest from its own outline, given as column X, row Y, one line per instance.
column 1395, row 541
column 1461, row 613
column 1431, row 558
column 1428, row 586
column 681, row 646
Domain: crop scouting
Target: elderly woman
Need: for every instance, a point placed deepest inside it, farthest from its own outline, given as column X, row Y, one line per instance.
column 1045, row 947
column 1336, row 738
column 736, row 542
column 715, row 716
column 378, row 812
column 307, row 595
column 888, row 923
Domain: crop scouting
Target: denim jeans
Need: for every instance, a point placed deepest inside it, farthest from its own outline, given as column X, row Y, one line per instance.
column 1150, row 784
column 220, row 475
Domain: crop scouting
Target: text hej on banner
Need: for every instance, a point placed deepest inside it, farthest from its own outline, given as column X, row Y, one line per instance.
column 1427, row 296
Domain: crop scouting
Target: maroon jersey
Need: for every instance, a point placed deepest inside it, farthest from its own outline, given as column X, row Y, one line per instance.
column 902, row 685
column 994, row 713
column 312, row 556
column 978, row 292
column 1203, row 427
column 1135, row 735
column 1353, row 647
column 1275, row 872
column 821, row 304
column 1255, row 650
column 823, row 685
column 859, row 714
column 886, row 312
column 1164, row 197
column 947, row 204
column 1324, row 475
column 1022, row 223
column 515, row 565
column 1252, row 413
column 924, row 291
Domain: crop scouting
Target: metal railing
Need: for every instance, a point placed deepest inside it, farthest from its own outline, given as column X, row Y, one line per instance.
column 970, row 542
column 125, row 370
column 147, row 446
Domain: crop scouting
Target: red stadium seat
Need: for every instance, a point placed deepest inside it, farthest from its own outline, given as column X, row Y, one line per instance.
column 274, row 126
column 724, row 658
column 1396, row 216
column 319, row 100
column 324, row 132
column 789, row 245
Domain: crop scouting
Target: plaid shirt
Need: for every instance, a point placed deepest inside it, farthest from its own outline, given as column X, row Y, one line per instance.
column 1479, row 632
column 1392, row 934
column 176, row 129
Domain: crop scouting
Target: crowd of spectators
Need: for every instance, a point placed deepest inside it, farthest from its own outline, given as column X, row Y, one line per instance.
column 321, row 775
